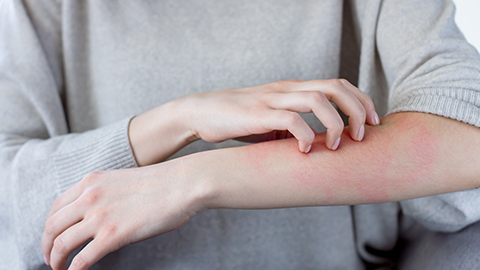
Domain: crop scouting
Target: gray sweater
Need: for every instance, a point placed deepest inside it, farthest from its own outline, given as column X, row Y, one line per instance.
column 73, row 73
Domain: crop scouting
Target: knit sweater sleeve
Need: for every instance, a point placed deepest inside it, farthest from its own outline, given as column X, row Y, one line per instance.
column 39, row 158
column 429, row 67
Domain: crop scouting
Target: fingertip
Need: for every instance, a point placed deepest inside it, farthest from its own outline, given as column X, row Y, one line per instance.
column 46, row 248
column 361, row 133
column 336, row 144
column 304, row 147
column 308, row 149
column 376, row 119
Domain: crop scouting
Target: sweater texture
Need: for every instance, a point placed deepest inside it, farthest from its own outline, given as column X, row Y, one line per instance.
column 73, row 73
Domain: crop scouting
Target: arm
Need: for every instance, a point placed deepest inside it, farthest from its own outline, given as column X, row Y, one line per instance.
column 419, row 83
column 429, row 67
column 251, row 114
column 39, row 160
column 41, row 157
column 410, row 155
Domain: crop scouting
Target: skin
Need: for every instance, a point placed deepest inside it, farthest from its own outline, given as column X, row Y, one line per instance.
column 115, row 207
column 394, row 162
column 410, row 155
column 252, row 114
column 420, row 149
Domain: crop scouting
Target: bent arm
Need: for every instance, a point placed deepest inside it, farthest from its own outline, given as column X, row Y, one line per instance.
column 409, row 156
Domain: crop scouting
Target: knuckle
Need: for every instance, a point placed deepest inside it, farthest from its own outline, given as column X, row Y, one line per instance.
column 336, row 83
column 293, row 118
column 110, row 231
column 337, row 127
column 91, row 196
column 361, row 113
column 343, row 81
column 318, row 97
column 366, row 101
column 92, row 177
column 79, row 262
column 98, row 216
column 50, row 227
column 59, row 245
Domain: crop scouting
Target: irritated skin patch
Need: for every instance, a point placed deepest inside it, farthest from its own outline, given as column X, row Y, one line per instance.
column 352, row 173
column 390, row 160
column 418, row 152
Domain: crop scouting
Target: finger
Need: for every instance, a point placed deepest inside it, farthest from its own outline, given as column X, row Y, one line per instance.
column 57, row 224
column 372, row 116
column 98, row 248
column 67, row 242
column 347, row 102
column 294, row 123
column 316, row 102
column 65, row 199
column 324, row 85
column 73, row 193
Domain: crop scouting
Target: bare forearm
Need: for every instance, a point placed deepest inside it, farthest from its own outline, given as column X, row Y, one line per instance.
column 158, row 133
column 410, row 155
column 248, row 112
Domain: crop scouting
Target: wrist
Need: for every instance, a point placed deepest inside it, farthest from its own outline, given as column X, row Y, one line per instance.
column 158, row 133
column 202, row 189
column 183, row 108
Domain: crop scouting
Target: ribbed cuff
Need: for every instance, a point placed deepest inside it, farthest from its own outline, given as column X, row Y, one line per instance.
column 106, row 148
column 452, row 211
column 459, row 104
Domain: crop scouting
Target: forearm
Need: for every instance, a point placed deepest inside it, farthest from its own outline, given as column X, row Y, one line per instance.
column 159, row 133
column 259, row 110
column 410, row 155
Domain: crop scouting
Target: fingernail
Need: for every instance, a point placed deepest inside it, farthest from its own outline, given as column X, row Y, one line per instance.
column 45, row 260
column 308, row 149
column 361, row 133
column 335, row 145
column 377, row 119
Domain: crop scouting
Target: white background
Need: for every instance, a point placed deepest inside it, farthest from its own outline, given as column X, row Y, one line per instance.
column 468, row 20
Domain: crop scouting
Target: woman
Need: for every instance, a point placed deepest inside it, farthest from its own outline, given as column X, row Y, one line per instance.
column 74, row 74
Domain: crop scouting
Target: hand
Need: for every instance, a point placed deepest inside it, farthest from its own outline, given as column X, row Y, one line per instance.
column 118, row 208
column 253, row 114
column 265, row 109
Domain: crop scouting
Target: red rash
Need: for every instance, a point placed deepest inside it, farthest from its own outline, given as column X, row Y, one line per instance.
column 377, row 167
column 391, row 158
column 419, row 155
column 255, row 155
